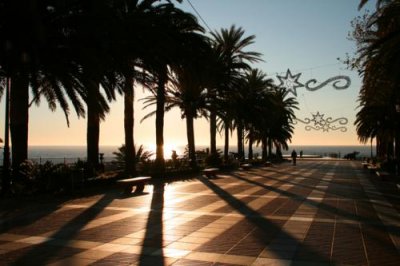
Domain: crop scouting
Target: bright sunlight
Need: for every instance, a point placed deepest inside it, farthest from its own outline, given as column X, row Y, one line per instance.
column 168, row 148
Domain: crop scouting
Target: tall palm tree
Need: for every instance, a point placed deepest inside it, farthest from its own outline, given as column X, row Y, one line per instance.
column 255, row 103
column 378, row 58
column 190, row 96
column 281, row 129
column 189, row 92
column 91, row 37
column 230, row 45
column 137, row 51
column 132, row 31
column 174, row 29
column 33, row 37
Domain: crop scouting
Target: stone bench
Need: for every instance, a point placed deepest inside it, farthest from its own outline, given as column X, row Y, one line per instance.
column 372, row 168
column 246, row 166
column 139, row 182
column 365, row 165
column 383, row 175
column 210, row 172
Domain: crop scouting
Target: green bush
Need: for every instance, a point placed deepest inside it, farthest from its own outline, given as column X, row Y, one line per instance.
column 214, row 160
column 33, row 178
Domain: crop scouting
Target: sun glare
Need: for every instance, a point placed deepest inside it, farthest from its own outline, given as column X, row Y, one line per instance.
column 168, row 148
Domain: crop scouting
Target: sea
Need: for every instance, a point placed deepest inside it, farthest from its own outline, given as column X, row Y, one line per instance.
column 70, row 154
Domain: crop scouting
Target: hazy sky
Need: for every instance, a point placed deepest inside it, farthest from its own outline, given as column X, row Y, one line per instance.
column 304, row 36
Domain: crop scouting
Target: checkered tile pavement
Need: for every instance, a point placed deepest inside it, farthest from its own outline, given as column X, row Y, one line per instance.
column 315, row 213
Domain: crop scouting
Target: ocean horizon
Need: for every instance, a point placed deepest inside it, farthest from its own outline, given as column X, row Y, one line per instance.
column 70, row 154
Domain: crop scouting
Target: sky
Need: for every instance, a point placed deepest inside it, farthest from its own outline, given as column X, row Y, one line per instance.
column 306, row 36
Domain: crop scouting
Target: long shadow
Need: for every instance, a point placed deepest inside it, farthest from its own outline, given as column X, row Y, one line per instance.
column 377, row 224
column 153, row 239
column 23, row 211
column 301, row 198
column 288, row 180
column 66, row 233
column 25, row 216
column 260, row 222
column 337, row 193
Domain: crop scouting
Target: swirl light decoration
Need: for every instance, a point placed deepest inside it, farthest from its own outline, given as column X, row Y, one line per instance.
column 318, row 122
column 291, row 82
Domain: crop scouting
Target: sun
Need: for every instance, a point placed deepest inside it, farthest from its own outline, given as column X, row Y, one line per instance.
column 168, row 148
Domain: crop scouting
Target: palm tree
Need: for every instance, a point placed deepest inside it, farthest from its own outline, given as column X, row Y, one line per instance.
column 281, row 129
column 175, row 30
column 33, row 37
column 189, row 94
column 141, row 155
column 378, row 58
column 229, row 45
column 255, row 103
column 92, row 43
column 132, row 33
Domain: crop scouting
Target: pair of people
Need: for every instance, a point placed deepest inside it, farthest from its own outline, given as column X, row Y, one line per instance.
column 294, row 156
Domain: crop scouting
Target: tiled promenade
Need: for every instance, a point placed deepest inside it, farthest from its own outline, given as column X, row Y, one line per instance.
column 315, row 213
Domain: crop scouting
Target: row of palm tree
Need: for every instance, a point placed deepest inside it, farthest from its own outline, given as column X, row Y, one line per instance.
column 378, row 59
column 82, row 53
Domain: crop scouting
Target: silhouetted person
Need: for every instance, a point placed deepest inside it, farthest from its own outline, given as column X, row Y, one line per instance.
column 174, row 158
column 301, row 154
column 294, row 157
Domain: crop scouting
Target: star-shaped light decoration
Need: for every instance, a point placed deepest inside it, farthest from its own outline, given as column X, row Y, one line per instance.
column 318, row 119
column 318, row 122
column 326, row 127
column 290, row 82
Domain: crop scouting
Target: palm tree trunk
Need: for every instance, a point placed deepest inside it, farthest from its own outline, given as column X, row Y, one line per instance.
column 226, row 147
column 19, row 119
column 250, row 146
column 93, row 126
column 240, row 140
column 264, row 148
column 278, row 152
column 213, row 131
column 397, row 150
column 191, row 139
column 160, row 162
column 129, row 97
column 269, row 147
column 6, row 180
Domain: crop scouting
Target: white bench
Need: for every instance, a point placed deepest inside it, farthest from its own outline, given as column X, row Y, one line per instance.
column 210, row 172
column 128, row 184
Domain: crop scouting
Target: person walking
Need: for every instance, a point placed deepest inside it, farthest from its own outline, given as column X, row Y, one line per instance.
column 294, row 157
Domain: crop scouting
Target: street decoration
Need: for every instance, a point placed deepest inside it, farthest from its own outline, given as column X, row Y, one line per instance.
column 291, row 82
column 318, row 122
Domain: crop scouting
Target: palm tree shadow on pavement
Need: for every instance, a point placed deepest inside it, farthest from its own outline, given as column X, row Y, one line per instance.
column 364, row 221
column 11, row 218
column 262, row 223
column 153, row 239
column 340, row 212
column 65, row 234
